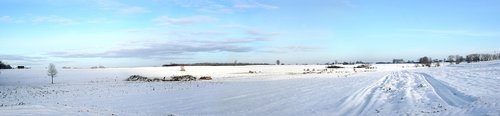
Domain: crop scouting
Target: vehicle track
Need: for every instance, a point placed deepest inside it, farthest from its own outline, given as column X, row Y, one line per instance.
column 404, row 92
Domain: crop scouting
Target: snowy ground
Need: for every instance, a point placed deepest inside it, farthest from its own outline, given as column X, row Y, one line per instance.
column 465, row 89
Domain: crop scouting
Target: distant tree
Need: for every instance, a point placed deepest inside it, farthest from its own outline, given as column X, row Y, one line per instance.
column 459, row 59
column 427, row 61
column 4, row 66
column 476, row 57
column 468, row 58
column 473, row 58
column 182, row 68
column 496, row 56
column 52, row 72
column 486, row 57
column 451, row 59
column 278, row 62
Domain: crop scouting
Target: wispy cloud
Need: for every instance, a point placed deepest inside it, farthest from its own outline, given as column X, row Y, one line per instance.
column 119, row 7
column 252, row 30
column 165, row 20
column 197, row 33
column 100, row 20
column 215, row 8
column 253, row 4
column 5, row 19
column 9, row 19
column 166, row 50
column 288, row 49
column 132, row 10
column 208, row 33
column 233, row 41
column 260, row 32
column 450, row 32
column 178, row 48
column 108, row 4
column 21, row 58
column 223, row 7
column 54, row 20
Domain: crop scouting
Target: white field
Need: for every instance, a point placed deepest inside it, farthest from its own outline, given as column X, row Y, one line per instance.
column 400, row 89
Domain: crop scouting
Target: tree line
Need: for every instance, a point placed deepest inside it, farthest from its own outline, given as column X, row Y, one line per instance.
column 4, row 66
column 214, row 64
column 473, row 58
column 457, row 59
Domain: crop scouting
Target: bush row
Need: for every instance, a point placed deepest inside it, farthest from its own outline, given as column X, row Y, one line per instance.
column 172, row 78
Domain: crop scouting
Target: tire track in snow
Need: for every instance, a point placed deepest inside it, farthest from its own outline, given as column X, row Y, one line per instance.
column 406, row 93
column 448, row 94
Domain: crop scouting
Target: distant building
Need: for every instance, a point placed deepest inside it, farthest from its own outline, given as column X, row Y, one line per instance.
column 398, row 61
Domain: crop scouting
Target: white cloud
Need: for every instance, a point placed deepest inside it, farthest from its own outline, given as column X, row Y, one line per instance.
column 133, row 10
column 9, row 19
column 216, row 8
column 99, row 21
column 251, row 31
column 21, row 58
column 117, row 6
column 168, row 50
column 445, row 32
column 260, row 32
column 165, row 20
column 290, row 49
column 5, row 18
column 222, row 6
column 54, row 19
column 208, row 33
column 108, row 4
column 254, row 4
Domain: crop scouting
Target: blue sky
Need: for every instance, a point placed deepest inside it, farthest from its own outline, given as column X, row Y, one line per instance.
column 120, row 33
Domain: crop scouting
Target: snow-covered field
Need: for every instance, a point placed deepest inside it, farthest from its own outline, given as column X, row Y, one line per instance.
column 399, row 89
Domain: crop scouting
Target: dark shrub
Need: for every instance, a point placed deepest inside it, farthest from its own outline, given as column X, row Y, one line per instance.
column 156, row 79
column 136, row 78
column 183, row 78
column 205, row 78
column 333, row 66
column 173, row 78
column 363, row 66
column 4, row 66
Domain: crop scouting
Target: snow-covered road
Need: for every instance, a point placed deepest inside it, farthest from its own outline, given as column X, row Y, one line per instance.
column 405, row 92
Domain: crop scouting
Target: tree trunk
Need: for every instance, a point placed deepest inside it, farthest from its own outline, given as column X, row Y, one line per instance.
column 52, row 79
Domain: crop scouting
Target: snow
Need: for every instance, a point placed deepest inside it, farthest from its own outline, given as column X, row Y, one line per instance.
column 405, row 92
column 393, row 89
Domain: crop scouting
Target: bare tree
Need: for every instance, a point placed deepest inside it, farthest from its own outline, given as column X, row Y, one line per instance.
column 427, row 61
column 52, row 72
column 182, row 68
column 451, row 59
column 459, row 59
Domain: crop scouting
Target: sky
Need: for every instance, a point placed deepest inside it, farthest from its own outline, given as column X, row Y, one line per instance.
column 137, row 33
